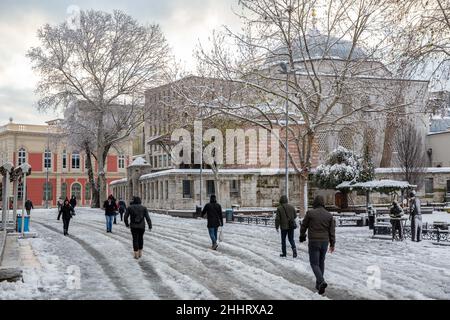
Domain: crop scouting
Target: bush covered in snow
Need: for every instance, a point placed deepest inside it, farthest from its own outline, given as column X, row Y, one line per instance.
column 342, row 165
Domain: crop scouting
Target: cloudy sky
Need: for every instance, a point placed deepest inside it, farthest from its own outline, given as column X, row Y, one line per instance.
column 184, row 22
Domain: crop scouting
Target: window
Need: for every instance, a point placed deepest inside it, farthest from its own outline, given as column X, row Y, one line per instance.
column 47, row 159
column 47, row 194
column 161, row 190
column 167, row 190
column 88, row 192
column 160, row 160
column 156, row 190
column 210, row 188
column 152, row 192
column 63, row 190
column 187, row 190
column 76, row 190
column 20, row 191
column 75, row 160
column 64, row 159
column 86, row 162
column 22, row 157
column 234, row 188
column 429, row 185
column 121, row 162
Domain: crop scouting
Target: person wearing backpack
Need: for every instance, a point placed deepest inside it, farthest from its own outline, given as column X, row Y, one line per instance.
column 285, row 220
column 137, row 214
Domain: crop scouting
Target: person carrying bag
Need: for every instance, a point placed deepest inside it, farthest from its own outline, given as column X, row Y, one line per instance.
column 285, row 220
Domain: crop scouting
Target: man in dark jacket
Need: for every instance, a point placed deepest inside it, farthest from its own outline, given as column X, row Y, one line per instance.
column 110, row 212
column 321, row 231
column 28, row 206
column 416, row 217
column 66, row 212
column 73, row 202
column 285, row 220
column 396, row 212
column 213, row 210
column 122, row 208
column 137, row 213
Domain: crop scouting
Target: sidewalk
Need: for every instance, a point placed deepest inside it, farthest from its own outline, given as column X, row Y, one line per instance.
column 10, row 260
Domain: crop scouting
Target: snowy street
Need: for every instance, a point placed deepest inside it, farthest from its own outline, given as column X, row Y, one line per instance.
column 179, row 264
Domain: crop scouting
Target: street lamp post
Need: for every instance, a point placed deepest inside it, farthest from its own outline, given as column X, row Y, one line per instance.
column 284, row 70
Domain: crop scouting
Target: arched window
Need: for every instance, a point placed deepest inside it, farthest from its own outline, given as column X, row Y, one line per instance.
column 47, row 159
column 63, row 190
column 22, row 156
column 88, row 192
column 75, row 160
column 76, row 191
column 47, row 194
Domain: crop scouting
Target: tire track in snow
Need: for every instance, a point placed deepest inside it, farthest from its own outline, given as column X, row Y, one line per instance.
column 100, row 258
column 265, row 289
column 192, row 265
column 174, row 277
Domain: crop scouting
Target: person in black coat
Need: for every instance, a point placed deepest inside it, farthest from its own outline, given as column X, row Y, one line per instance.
column 28, row 206
column 213, row 210
column 73, row 202
column 67, row 212
column 110, row 207
column 138, row 215
column 122, row 208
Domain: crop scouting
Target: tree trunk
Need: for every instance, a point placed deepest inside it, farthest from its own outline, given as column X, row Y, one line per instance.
column 95, row 203
column 389, row 133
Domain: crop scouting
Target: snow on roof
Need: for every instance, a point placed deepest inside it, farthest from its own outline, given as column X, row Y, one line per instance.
column 400, row 170
column 124, row 180
column 260, row 171
column 376, row 184
column 139, row 161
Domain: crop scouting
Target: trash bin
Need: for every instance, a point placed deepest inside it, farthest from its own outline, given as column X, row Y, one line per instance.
column 26, row 224
column 198, row 211
column 229, row 215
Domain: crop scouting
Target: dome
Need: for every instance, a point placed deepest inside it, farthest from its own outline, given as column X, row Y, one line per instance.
column 321, row 47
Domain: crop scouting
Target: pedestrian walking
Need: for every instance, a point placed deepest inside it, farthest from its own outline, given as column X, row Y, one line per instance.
column 321, row 231
column 73, row 203
column 117, row 207
column 285, row 220
column 60, row 204
column 122, row 208
column 67, row 213
column 110, row 207
column 415, row 215
column 28, row 206
column 396, row 212
column 137, row 214
column 213, row 211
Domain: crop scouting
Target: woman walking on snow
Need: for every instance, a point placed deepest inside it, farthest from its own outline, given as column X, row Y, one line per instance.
column 110, row 212
column 67, row 213
column 213, row 210
column 138, row 215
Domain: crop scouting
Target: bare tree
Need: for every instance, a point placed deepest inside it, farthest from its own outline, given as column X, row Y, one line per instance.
column 331, row 68
column 106, row 63
column 410, row 152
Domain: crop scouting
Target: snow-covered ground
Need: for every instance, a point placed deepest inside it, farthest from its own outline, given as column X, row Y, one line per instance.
column 178, row 263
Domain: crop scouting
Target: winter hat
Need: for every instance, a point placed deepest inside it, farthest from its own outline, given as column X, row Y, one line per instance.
column 412, row 194
column 319, row 201
column 213, row 198
column 283, row 199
